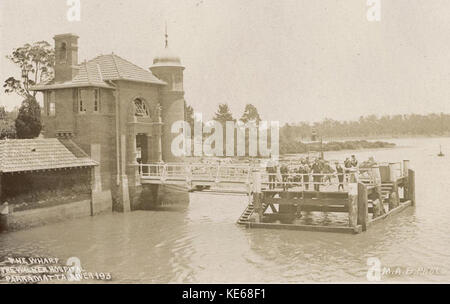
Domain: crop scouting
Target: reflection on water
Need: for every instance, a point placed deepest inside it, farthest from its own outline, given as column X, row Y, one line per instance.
column 202, row 243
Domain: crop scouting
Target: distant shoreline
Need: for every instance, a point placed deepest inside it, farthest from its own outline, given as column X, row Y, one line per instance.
column 332, row 146
column 384, row 137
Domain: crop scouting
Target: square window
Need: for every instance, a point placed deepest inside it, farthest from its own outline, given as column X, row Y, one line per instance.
column 82, row 100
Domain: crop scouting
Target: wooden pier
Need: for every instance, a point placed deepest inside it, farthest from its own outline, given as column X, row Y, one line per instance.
column 369, row 195
column 365, row 204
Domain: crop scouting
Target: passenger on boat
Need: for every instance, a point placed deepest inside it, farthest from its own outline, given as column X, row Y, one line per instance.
column 328, row 170
column 354, row 161
column 317, row 177
column 306, row 170
column 340, row 175
column 272, row 171
column 347, row 163
column 284, row 170
column 370, row 163
column 298, row 173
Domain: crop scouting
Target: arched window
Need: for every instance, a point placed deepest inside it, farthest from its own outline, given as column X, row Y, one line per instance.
column 140, row 108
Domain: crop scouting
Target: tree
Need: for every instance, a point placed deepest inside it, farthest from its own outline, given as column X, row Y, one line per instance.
column 189, row 112
column 250, row 114
column 7, row 128
column 223, row 114
column 36, row 63
column 28, row 121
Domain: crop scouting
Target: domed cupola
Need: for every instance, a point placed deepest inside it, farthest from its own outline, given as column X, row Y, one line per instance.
column 167, row 58
column 167, row 67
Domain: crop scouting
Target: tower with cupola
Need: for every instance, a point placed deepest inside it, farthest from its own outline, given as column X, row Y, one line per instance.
column 167, row 67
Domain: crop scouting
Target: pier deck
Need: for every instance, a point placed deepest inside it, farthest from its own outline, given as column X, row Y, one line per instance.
column 365, row 199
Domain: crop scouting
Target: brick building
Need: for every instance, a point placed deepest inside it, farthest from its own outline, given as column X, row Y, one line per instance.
column 117, row 112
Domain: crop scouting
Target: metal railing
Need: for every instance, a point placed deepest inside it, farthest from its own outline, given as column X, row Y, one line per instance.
column 308, row 180
column 236, row 173
column 196, row 172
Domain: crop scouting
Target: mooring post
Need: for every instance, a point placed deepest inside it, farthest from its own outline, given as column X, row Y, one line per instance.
column 257, row 194
column 405, row 167
column 412, row 187
column 353, row 204
column 392, row 172
column 394, row 199
column 363, row 208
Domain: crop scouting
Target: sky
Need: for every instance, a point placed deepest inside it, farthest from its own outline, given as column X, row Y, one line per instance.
column 295, row 60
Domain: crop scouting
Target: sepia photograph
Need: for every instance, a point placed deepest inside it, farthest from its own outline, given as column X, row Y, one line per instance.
column 224, row 142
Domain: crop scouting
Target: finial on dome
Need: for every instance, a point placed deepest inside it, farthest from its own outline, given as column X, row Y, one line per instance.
column 166, row 58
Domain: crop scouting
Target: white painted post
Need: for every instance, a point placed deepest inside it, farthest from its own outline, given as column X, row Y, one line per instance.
column 248, row 183
column 217, row 180
column 392, row 173
column 405, row 167
column 164, row 173
column 257, row 193
column 352, row 204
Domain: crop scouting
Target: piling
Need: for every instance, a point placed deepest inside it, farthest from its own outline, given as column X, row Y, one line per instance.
column 353, row 205
column 257, row 194
column 363, row 208
column 405, row 167
column 412, row 187
column 394, row 199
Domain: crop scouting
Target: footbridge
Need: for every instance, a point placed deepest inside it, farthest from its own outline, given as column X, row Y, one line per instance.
column 195, row 175
column 228, row 176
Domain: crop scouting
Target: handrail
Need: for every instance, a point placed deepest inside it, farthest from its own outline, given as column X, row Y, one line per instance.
column 217, row 173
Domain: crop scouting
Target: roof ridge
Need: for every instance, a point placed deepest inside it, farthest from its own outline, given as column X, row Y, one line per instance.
column 87, row 72
column 141, row 68
column 96, row 58
column 99, row 71
column 115, row 64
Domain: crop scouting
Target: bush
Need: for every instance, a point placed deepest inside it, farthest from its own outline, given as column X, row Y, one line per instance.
column 28, row 122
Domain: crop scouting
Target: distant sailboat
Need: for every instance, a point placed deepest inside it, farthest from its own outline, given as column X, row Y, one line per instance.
column 440, row 152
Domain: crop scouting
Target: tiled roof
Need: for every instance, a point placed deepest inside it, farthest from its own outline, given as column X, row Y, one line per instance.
column 20, row 155
column 101, row 69
column 114, row 67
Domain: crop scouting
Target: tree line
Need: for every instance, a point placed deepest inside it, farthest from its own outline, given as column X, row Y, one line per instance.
column 372, row 126
column 294, row 137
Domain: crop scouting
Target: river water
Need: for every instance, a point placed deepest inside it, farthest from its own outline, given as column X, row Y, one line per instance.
column 202, row 243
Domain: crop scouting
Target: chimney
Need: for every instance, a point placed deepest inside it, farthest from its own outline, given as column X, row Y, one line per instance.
column 66, row 57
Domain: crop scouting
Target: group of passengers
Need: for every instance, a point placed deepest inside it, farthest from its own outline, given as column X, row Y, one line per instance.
column 319, row 169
